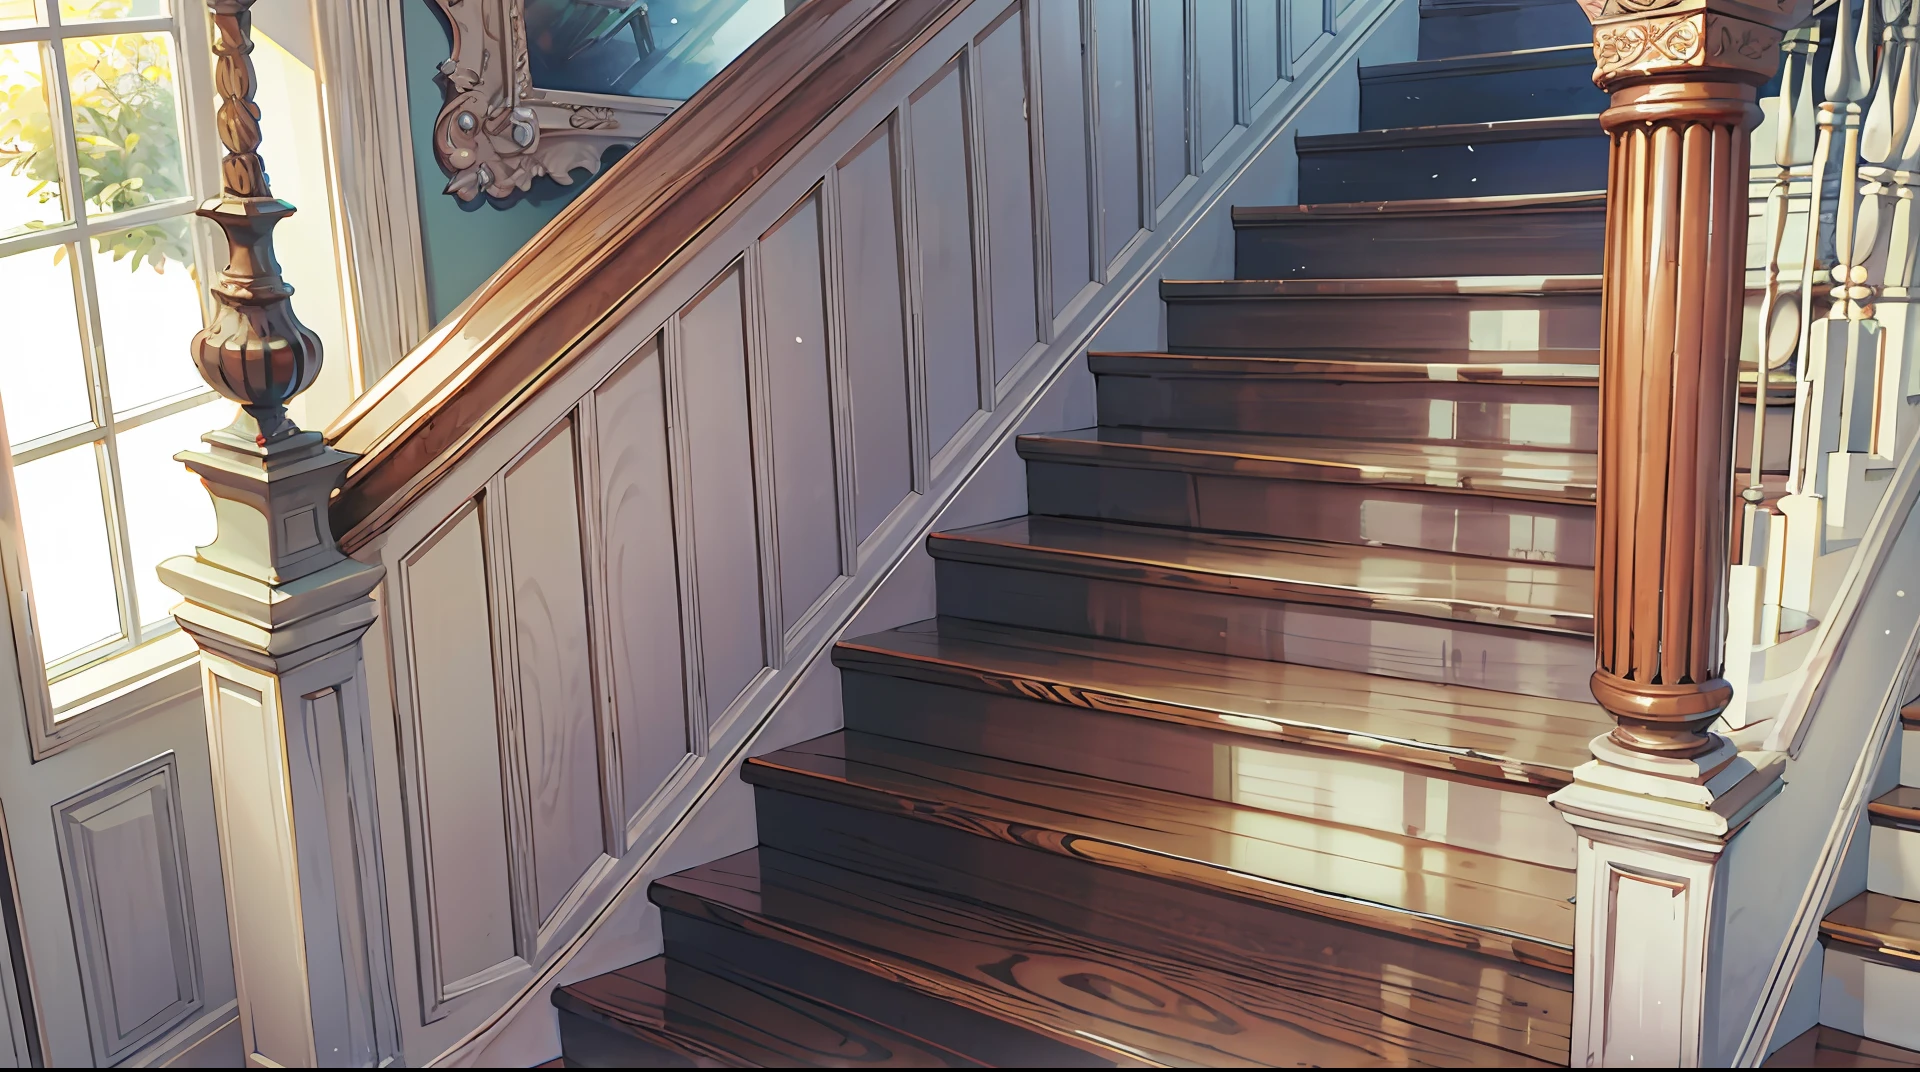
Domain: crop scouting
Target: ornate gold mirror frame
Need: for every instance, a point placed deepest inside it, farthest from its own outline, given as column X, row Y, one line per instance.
column 498, row 131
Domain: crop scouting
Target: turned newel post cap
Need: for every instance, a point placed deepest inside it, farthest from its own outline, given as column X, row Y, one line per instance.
column 1736, row 41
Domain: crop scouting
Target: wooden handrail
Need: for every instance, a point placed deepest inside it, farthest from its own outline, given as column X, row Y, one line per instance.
column 606, row 250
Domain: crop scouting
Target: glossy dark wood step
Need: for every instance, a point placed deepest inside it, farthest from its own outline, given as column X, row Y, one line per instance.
column 1472, row 313
column 1829, row 1047
column 1512, row 909
column 1472, row 413
column 1877, row 923
column 1477, row 735
column 1546, row 367
column 1898, row 808
column 1487, row 88
column 1077, row 999
column 1518, row 156
column 1532, row 475
column 1502, row 625
column 660, row 1013
column 1465, row 27
column 1544, row 234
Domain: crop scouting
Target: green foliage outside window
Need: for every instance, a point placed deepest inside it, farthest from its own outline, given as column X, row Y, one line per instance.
column 126, row 136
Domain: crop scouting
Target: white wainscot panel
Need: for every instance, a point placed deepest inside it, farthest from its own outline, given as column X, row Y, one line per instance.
column 869, row 245
column 463, row 909
column 553, row 673
column 124, row 856
column 1063, row 114
column 943, row 243
column 712, row 364
column 802, row 400
column 645, row 661
column 1006, row 162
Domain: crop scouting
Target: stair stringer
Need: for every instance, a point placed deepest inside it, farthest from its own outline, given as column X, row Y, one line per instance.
column 712, row 813
column 1837, row 730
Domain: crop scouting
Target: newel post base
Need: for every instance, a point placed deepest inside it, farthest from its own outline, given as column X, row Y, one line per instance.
column 279, row 613
column 1653, row 833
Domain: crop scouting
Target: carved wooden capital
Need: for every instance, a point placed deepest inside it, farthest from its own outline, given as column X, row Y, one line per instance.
column 1688, row 40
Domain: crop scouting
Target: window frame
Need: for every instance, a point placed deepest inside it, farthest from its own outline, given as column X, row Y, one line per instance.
column 88, row 691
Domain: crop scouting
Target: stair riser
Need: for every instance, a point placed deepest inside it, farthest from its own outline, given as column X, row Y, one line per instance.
column 1488, row 322
column 1563, row 242
column 733, row 953
column 1479, row 96
column 1222, row 943
column 590, row 1044
column 1869, row 997
column 1468, row 414
column 1335, row 513
column 1459, row 169
column 1443, row 34
column 1909, row 755
column 1893, row 861
column 1503, row 819
column 1505, row 659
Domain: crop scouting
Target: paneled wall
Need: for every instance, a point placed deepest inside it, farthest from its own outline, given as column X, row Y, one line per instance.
column 586, row 622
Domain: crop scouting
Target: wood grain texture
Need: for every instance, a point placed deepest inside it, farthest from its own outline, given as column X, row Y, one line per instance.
column 1541, row 597
column 1546, row 416
column 1223, row 938
column 1504, row 908
column 559, row 737
column 607, row 248
column 1480, row 734
column 637, row 555
column 1878, row 923
column 1130, row 1008
column 709, row 1020
column 1829, row 1047
column 1531, row 475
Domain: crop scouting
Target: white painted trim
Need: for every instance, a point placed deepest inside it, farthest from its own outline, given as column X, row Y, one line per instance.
column 171, row 1048
column 917, row 512
column 1843, row 629
column 376, row 212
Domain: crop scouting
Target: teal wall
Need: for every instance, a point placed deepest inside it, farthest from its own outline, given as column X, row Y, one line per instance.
column 464, row 241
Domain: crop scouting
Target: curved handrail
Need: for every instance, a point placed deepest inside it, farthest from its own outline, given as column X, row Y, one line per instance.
column 564, row 289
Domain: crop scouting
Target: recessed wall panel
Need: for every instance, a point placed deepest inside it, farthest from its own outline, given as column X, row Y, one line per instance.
column 943, row 243
column 637, row 552
column 1064, row 117
column 1167, row 66
column 713, row 363
column 1006, row 150
column 554, row 658
column 1119, row 126
column 876, row 336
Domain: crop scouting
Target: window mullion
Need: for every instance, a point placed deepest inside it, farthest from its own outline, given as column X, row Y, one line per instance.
column 113, row 502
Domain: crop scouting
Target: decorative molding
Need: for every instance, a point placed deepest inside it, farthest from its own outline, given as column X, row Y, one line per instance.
column 855, row 170
column 1702, row 40
column 498, row 132
column 104, row 836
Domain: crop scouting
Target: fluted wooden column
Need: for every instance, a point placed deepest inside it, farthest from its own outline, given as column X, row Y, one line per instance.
column 1684, row 90
column 1664, row 795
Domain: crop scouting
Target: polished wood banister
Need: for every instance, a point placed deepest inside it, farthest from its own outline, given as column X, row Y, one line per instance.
column 607, row 250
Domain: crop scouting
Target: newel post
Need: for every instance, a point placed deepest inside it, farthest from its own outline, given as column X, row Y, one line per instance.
column 278, row 612
column 1664, row 795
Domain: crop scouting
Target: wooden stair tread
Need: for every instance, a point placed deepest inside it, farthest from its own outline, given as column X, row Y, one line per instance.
column 1508, row 908
column 1546, row 367
column 1876, row 921
column 1528, row 595
column 707, row 1019
column 1481, row 63
column 1383, row 287
column 1594, row 201
column 1897, row 807
column 1120, row 1004
column 1495, row 736
column 1821, row 1046
column 1539, row 475
column 1564, row 126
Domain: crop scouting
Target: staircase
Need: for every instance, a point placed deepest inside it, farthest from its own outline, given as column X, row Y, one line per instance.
column 1235, row 750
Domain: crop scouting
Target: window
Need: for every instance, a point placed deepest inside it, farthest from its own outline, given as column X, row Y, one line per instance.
column 102, row 273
